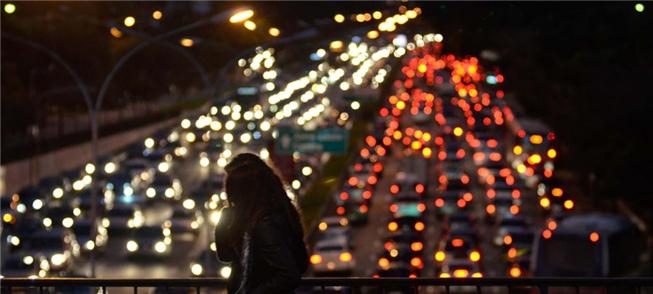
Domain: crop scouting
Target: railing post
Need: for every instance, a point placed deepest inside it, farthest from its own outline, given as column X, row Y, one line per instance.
column 543, row 289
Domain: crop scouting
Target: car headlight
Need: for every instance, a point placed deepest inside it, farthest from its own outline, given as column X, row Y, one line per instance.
column 37, row 204
column 90, row 245
column 170, row 192
column 58, row 259
column 127, row 190
column 67, row 222
column 15, row 241
column 132, row 246
column 28, row 260
column 150, row 192
column 225, row 272
column 196, row 269
column 44, row 265
column 47, row 222
column 160, row 247
column 106, row 222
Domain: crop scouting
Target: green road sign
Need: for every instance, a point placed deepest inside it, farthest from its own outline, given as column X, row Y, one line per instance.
column 327, row 140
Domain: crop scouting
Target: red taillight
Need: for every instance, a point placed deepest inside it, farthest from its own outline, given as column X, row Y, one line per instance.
column 394, row 189
column 419, row 188
column 363, row 208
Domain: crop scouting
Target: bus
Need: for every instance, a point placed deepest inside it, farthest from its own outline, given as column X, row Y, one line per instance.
column 589, row 245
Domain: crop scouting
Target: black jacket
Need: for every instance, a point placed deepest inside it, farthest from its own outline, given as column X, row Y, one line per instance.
column 277, row 256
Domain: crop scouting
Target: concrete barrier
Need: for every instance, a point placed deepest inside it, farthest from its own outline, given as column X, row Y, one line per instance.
column 19, row 174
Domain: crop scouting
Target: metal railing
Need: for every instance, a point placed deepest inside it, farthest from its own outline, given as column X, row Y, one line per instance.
column 323, row 285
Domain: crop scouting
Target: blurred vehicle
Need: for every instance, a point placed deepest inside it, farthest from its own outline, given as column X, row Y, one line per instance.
column 453, row 176
column 333, row 227
column 140, row 170
column 332, row 257
column 589, row 245
column 355, row 207
column 206, row 264
column 31, row 198
column 55, row 249
column 185, row 220
column 18, row 265
column 397, row 269
column 164, row 186
column 149, row 241
column 454, row 247
column 402, row 252
column 14, row 237
column 123, row 217
column 82, row 231
column 407, row 182
column 451, row 201
column 61, row 215
column 461, row 268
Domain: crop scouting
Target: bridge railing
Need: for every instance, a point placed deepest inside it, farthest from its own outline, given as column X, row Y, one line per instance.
column 344, row 285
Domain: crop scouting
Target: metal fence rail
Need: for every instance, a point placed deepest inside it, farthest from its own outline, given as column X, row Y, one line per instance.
column 630, row 285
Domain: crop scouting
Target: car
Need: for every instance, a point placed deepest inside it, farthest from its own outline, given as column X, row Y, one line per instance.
column 165, row 187
column 21, row 266
column 56, row 249
column 355, row 212
column 452, row 176
column 149, row 241
column 184, row 220
column 82, row 231
column 123, row 217
column 213, row 184
column 461, row 268
column 333, row 227
column 140, row 170
column 332, row 257
column 206, row 264
column 406, row 218
column 406, row 182
column 213, row 149
column 62, row 215
column 30, row 197
column 404, row 253
column 408, row 208
column 83, row 201
column 14, row 237
column 122, row 185
column 404, row 235
column 454, row 246
column 448, row 202
column 500, row 206
column 397, row 269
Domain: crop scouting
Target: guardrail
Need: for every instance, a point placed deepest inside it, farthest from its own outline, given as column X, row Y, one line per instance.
column 322, row 285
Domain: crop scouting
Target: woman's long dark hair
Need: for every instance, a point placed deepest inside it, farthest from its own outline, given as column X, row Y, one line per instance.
column 255, row 190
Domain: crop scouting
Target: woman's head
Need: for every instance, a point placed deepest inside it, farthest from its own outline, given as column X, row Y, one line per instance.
column 253, row 188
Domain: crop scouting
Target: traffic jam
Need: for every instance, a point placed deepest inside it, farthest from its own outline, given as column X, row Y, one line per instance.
column 448, row 183
column 160, row 198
